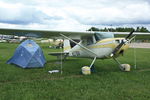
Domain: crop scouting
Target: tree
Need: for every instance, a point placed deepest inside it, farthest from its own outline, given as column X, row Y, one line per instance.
column 93, row 29
column 143, row 29
column 137, row 29
column 120, row 29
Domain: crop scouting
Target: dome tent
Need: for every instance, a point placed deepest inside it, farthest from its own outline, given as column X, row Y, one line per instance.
column 27, row 55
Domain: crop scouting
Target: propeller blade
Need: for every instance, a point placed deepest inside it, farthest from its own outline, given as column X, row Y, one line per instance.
column 129, row 34
column 132, row 38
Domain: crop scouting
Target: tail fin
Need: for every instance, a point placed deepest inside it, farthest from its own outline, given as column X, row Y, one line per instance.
column 67, row 46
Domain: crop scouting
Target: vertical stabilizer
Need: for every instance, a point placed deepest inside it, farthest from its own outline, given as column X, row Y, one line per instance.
column 67, row 46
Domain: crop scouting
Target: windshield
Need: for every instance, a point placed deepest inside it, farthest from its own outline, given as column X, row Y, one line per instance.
column 103, row 35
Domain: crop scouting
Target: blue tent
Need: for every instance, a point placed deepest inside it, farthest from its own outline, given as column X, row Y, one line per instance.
column 27, row 55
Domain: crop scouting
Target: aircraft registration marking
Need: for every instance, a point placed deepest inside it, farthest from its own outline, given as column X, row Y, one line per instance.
column 76, row 53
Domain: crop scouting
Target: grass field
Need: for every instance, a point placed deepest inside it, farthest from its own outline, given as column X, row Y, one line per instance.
column 108, row 83
column 142, row 38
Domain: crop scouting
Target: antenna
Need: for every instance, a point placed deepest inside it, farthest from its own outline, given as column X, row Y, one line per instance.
column 135, row 63
column 61, row 61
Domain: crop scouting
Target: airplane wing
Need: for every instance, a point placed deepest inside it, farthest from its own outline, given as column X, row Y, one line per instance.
column 42, row 33
column 135, row 33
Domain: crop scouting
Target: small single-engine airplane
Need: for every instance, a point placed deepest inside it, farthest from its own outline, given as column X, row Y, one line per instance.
column 96, row 45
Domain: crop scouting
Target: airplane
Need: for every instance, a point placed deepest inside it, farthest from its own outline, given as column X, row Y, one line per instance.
column 95, row 45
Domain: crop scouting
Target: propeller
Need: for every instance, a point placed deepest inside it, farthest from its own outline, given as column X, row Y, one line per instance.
column 124, row 41
column 129, row 34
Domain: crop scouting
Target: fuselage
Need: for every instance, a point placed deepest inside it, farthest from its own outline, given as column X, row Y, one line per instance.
column 101, row 48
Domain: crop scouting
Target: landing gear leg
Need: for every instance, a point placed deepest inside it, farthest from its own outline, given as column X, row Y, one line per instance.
column 118, row 63
column 92, row 67
column 123, row 67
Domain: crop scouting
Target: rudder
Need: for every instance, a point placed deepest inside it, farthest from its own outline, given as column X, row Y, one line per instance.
column 67, row 46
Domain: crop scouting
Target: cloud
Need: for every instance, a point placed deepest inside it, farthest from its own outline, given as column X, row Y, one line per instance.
column 22, row 14
column 73, row 14
column 131, row 14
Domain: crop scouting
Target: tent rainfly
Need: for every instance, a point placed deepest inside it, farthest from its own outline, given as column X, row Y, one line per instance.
column 28, row 55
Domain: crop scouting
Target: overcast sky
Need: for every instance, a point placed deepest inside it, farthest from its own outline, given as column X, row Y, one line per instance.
column 74, row 15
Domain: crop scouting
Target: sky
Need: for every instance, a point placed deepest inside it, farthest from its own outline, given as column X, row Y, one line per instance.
column 74, row 15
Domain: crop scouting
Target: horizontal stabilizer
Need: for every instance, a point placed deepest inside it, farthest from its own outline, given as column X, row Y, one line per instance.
column 58, row 53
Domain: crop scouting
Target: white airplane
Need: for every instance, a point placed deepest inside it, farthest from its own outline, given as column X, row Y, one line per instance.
column 96, row 45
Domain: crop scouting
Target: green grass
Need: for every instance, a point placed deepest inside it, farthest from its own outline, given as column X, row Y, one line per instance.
column 142, row 38
column 108, row 83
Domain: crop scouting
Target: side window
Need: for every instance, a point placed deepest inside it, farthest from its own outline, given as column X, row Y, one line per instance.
column 104, row 35
column 89, row 40
column 96, row 37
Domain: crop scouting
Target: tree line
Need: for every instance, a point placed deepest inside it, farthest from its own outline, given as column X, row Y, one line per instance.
column 120, row 29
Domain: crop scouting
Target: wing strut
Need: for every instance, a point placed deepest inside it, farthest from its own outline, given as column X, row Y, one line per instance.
column 79, row 44
column 93, row 62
